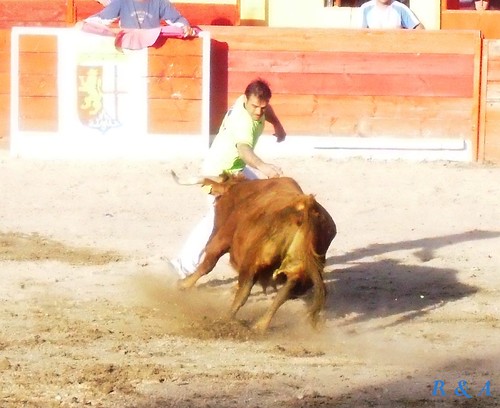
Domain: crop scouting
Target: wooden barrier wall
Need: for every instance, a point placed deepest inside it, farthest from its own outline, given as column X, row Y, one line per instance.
column 4, row 84
column 60, row 13
column 486, row 21
column 361, row 82
column 38, row 94
column 489, row 136
column 174, row 85
column 33, row 13
column 413, row 85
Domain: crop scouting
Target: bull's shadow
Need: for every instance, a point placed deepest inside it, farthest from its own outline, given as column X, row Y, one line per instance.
column 424, row 247
column 387, row 287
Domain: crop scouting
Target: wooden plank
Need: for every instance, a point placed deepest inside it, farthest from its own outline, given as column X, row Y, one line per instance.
column 21, row 23
column 4, row 115
column 492, row 154
column 175, row 66
column 493, row 48
column 367, row 116
column 493, row 93
column 482, row 104
column 348, row 40
column 382, row 126
column 38, row 90
column 493, row 115
column 4, row 83
column 38, row 85
column 349, row 62
column 4, row 62
column 170, row 115
column 493, row 68
column 38, row 114
column 476, row 97
column 487, row 22
column 5, row 40
column 4, row 102
column 174, row 128
column 354, row 84
column 85, row 8
column 37, row 43
column 172, row 47
column 489, row 137
column 305, row 105
column 176, row 88
column 33, row 12
column 32, row 63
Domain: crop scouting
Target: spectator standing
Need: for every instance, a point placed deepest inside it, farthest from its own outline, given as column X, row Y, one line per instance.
column 387, row 14
column 139, row 14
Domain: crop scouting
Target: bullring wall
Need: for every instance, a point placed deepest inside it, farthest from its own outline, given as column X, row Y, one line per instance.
column 365, row 85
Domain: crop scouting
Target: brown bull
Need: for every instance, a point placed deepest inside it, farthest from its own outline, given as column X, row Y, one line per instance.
column 274, row 233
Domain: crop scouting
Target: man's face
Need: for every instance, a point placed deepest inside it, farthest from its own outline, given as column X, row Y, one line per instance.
column 385, row 2
column 255, row 106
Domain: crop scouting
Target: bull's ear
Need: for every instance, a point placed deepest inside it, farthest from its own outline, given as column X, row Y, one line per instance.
column 212, row 185
column 215, row 189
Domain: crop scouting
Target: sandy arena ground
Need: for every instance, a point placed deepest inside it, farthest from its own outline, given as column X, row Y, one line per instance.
column 90, row 317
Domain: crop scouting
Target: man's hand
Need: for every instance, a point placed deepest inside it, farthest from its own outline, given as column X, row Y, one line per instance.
column 247, row 154
column 270, row 170
column 272, row 118
column 188, row 31
column 280, row 133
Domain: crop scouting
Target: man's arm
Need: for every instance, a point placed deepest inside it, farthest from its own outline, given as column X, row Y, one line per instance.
column 272, row 118
column 95, row 25
column 247, row 154
column 172, row 16
column 99, row 23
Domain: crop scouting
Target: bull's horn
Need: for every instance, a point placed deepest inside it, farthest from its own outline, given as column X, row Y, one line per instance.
column 187, row 181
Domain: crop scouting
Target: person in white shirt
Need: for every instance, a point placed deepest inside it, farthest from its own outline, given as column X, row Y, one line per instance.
column 387, row 14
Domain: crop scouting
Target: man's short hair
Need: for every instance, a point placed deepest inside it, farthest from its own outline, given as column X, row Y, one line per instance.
column 260, row 89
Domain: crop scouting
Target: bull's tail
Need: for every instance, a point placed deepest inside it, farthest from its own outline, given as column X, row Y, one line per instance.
column 314, row 268
column 314, row 262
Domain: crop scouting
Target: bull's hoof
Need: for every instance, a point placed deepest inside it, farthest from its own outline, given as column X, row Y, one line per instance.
column 183, row 285
column 317, row 322
column 261, row 326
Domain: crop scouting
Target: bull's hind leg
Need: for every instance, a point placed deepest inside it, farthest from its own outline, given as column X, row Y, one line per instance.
column 281, row 297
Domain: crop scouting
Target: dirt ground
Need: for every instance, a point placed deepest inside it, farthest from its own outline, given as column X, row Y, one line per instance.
column 89, row 315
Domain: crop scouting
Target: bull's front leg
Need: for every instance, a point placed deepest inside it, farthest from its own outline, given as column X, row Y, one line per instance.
column 241, row 296
column 212, row 254
column 203, row 268
column 281, row 297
